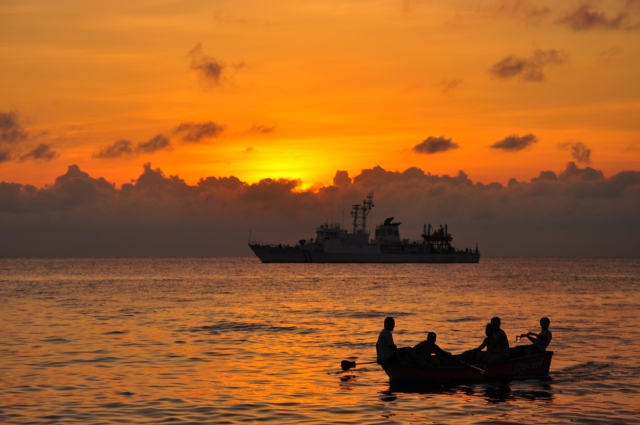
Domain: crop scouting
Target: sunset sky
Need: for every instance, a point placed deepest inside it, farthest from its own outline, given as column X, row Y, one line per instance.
column 298, row 90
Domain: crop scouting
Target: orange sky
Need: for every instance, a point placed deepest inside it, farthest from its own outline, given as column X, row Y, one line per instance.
column 302, row 89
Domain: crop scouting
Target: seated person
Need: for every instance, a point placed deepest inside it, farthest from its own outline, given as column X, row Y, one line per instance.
column 386, row 350
column 476, row 354
column 540, row 341
column 498, row 351
column 422, row 353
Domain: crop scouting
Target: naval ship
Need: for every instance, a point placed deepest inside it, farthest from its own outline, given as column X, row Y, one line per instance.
column 333, row 244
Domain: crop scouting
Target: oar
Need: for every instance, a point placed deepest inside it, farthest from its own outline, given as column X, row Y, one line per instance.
column 346, row 364
column 470, row 365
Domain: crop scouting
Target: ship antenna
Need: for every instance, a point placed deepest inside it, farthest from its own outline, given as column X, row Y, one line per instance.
column 332, row 213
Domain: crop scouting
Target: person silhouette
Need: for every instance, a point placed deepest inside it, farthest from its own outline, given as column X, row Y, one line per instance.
column 540, row 341
column 386, row 349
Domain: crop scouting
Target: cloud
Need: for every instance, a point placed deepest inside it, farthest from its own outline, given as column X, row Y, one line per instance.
column 119, row 149
column 211, row 70
column 12, row 133
column 610, row 54
column 196, row 132
column 208, row 67
column 125, row 148
column 157, row 143
column 433, row 145
column 528, row 69
column 5, row 155
column 524, row 10
column 574, row 211
column 584, row 18
column 514, row 142
column 342, row 178
column 262, row 129
column 579, row 151
column 11, row 130
column 450, row 85
column 42, row 152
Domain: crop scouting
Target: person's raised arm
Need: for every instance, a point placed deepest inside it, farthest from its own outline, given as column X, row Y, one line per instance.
column 531, row 336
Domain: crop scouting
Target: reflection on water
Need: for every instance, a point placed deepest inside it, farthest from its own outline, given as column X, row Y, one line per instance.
column 235, row 341
column 532, row 390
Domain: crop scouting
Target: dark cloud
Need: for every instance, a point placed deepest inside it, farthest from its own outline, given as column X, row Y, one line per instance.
column 450, row 85
column 270, row 190
column 342, row 178
column 584, row 18
column 192, row 132
column 5, row 155
column 610, row 54
column 514, row 142
column 579, row 151
column 575, row 173
column 209, row 68
column 524, row 10
column 212, row 71
column 42, row 152
column 12, row 133
column 124, row 148
column 378, row 177
column 230, row 183
column 157, row 143
column 11, row 130
column 528, row 69
column 433, row 145
column 576, row 211
column 262, row 129
column 119, row 149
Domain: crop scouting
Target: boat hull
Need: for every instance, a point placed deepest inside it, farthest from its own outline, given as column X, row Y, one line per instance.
column 287, row 254
column 523, row 367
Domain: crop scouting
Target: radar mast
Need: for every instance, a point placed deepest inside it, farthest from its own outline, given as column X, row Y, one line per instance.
column 359, row 214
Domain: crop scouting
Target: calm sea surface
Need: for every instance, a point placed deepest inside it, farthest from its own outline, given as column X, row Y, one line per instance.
column 229, row 341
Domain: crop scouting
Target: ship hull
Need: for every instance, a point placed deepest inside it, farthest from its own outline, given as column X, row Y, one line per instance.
column 286, row 254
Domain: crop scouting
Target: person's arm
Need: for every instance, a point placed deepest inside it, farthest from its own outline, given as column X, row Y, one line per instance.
column 532, row 336
column 440, row 352
column 394, row 347
column 484, row 344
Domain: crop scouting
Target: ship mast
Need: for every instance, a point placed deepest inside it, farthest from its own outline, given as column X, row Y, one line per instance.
column 359, row 214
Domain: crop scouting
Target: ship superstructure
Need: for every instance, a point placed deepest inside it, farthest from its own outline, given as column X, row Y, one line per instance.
column 333, row 244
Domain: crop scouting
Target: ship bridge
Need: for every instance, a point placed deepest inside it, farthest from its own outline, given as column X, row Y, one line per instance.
column 387, row 233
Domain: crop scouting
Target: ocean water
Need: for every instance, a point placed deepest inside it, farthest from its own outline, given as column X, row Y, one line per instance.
column 232, row 341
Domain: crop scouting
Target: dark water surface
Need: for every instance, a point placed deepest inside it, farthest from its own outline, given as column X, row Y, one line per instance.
column 104, row 341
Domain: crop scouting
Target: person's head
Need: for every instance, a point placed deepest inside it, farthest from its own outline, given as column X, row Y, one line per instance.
column 431, row 336
column 488, row 330
column 544, row 323
column 495, row 322
column 389, row 323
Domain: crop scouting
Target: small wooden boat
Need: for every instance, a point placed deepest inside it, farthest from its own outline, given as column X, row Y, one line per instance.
column 536, row 365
